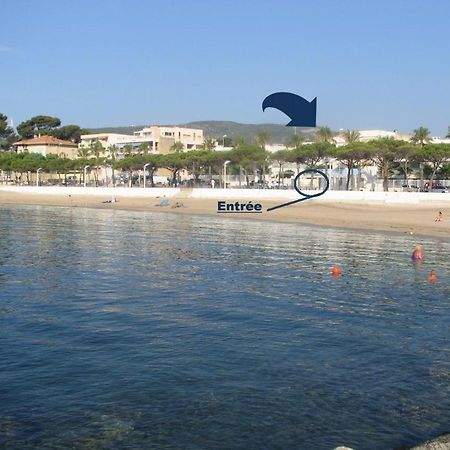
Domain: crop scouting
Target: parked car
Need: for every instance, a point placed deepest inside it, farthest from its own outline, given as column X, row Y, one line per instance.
column 440, row 188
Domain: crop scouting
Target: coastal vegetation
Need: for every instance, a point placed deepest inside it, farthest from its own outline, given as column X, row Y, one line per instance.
column 47, row 125
column 250, row 161
column 248, row 158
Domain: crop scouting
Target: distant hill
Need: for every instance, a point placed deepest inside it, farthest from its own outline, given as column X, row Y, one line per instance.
column 216, row 129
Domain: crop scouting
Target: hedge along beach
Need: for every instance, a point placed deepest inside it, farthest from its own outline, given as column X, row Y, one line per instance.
column 401, row 212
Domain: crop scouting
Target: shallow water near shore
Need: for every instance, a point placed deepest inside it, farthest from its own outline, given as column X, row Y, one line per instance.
column 129, row 330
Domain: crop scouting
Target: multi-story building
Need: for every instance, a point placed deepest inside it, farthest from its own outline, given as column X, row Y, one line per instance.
column 156, row 139
column 161, row 139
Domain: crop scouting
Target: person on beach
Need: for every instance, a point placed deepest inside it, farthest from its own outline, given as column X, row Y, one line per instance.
column 439, row 217
column 417, row 254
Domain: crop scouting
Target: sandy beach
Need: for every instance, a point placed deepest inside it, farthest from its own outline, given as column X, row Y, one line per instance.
column 416, row 219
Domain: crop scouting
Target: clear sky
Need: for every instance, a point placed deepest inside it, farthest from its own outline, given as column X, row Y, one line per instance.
column 372, row 64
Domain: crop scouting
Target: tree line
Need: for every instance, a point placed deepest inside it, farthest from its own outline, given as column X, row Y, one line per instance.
column 390, row 156
column 43, row 125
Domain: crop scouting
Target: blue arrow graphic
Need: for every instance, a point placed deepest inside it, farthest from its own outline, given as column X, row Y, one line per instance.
column 301, row 112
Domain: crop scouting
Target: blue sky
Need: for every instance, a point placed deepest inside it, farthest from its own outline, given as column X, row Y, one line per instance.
column 372, row 64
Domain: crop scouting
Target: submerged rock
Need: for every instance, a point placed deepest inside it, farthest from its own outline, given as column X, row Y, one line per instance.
column 442, row 442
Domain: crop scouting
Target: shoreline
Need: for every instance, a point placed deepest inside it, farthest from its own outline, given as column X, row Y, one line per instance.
column 393, row 216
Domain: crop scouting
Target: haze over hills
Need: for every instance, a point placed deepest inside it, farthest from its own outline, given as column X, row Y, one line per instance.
column 279, row 134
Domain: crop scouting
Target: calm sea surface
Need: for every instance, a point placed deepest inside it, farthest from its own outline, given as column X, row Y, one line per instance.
column 128, row 330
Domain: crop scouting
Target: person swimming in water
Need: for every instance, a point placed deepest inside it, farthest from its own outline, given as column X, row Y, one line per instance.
column 432, row 277
column 417, row 254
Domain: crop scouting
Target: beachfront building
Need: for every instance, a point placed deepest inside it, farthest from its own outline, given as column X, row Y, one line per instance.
column 154, row 139
column 370, row 135
column 47, row 145
column 108, row 140
column 161, row 139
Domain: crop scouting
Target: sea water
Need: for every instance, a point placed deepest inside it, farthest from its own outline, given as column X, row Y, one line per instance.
column 132, row 330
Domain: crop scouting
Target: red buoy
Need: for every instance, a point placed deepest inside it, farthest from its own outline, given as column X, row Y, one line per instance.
column 336, row 271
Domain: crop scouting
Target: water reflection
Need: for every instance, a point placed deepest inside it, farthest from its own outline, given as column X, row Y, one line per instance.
column 130, row 330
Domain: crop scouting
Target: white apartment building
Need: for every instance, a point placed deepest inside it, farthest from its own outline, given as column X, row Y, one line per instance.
column 369, row 135
column 158, row 139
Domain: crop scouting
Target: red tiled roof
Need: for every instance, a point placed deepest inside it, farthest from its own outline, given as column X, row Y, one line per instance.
column 46, row 140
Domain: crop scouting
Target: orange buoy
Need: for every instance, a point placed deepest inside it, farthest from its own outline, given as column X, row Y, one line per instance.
column 432, row 277
column 336, row 271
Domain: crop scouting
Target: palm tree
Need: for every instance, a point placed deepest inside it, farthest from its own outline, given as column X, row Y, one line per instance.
column 112, row 152
column 95, row 150
column 127, row 150
column 324, row 134
column 351, row 136
column 295, row 141
column 421, row 136
column 262, row 139
column 280, row 157
column 209, row 144
column 177, row 147
column 83, row 152
column 143, row 148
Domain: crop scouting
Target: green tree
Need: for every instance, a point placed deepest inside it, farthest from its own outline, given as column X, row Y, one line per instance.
column 209, row 144
column 324, row 134
column 249, row 158
column 436, row 155
column 83, row 152
column 177, row 147
column 55, row 164
column 196, row 161
column 448, row 133
column 351, row 136
column 129, row 164
column 262, row 139
column 38, row 125
column 144, row 148
column 96, row 149
column 7, row 135
column 420, row 137
column 214, row 162
column 444, row 172
column 155, row 162
column 312, row 154
column 127, row 150
column 352, row 156
column 404, row 159
column 280, row 158
column 174, row 162
column 112, row 152
column 69, row 133
column 384, row 154
column 295, row 141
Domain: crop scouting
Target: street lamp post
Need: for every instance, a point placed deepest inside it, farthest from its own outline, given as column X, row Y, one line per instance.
column 225, row 164
column 85, row 169
column 37, row 176
column 145, row 174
